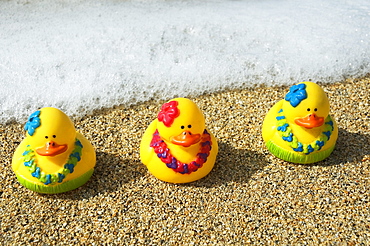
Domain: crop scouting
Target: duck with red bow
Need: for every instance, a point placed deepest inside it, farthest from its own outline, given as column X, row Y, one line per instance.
column 176, row 147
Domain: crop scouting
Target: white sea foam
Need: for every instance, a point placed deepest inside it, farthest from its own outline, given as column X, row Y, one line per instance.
column 85, row 55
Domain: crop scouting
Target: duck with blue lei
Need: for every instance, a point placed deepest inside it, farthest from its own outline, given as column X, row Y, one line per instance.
column 54, row 157
column 299, row 128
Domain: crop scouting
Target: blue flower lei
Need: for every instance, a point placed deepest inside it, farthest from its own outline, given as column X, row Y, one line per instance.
column 296, row 94
column 286, row 134
column 33, row 122
column 58, row 177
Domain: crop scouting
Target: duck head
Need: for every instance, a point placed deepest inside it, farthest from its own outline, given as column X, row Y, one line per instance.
column 50, row 132
column 181, row 122
column 306, row 105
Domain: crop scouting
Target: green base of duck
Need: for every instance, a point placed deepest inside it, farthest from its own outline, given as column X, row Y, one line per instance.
column 64, row 187
column 297, row 157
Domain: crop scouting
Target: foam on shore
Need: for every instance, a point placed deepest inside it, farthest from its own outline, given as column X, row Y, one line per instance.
column 85, row 55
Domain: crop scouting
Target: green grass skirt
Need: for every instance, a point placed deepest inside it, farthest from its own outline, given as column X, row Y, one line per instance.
column 59, row 188
column 297, row 157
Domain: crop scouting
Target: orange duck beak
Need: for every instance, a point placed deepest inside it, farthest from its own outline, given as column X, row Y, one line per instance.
column 310, row 121
column 51, row 149
column 186, row 139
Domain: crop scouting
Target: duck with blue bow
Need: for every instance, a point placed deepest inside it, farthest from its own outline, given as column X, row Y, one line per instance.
column 299, row 128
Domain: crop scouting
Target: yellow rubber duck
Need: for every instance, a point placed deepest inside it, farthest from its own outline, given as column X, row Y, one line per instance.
column 176, row 147
column 299, row 128
column 53, row 158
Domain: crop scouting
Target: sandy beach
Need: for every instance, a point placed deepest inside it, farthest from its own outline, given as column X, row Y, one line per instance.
column 250, row 197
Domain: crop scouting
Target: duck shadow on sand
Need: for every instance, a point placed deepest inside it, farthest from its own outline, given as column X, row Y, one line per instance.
column 232, row 165
column 350, row 147
column 239, row 165
column 110, row 174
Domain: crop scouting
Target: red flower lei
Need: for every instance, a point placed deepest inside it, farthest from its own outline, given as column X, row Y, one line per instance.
column 160, row 148
column 169, row 112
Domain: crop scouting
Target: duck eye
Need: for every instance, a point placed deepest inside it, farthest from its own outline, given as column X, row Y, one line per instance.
column 189, row 126
column 315, row 109
column 46, row 137
column 308, row 109
column 182, row 127
column 54, row 136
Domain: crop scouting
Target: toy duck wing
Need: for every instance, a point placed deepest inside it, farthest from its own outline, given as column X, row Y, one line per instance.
column 146, row 152
column 89, row 155
column 214, row 143
column 269, row 123
column 335, row 130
